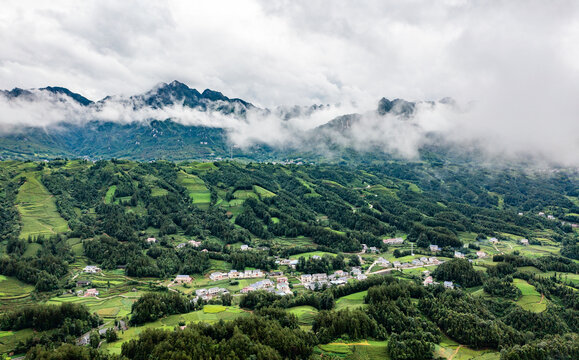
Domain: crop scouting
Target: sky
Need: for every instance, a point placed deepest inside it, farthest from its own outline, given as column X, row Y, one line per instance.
column 514, row 64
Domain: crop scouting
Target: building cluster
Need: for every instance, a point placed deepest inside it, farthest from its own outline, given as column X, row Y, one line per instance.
column 414, row 263
column 91, row 269
column 88, row 293
column 428, row 280
column 371, row 249
column 279, row 286
column 190, row 242
column 183, row 279
column 208, row 294
column 394, row 241
column 338, row 278
column 287, row 262
column 234, row 274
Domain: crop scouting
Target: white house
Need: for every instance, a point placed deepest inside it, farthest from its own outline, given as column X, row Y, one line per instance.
column 91, row 292
column 459, row 255
column 91, row 269
column 398, row 240
column 216, row 276
column 524, row 241
column 183, row 279
column 434, row 248
column 448, row 285
column 481, row 254
column 151, row 240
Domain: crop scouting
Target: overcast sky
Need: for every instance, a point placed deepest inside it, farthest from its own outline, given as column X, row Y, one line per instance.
column 286, row 52
column 518, row 61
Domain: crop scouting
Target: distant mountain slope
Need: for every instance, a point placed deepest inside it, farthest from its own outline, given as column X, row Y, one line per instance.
column 154, row 130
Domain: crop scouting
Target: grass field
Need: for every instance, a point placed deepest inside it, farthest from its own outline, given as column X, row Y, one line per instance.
column 573, row 278
column 198, row 192
column 244, row 194
column 308, row 255
column 305, row 314
column 110, row 193
column 263, row 193
column 354, row 300
column 531, row 298
column 12, row 288
column 359, row 349
column 9, row 339
column 450, row 349
column 213, row 309
column 37, row 209
column 157, row 191
column 170, row 322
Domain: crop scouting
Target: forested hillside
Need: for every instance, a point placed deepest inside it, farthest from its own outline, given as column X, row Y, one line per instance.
column 423, row 259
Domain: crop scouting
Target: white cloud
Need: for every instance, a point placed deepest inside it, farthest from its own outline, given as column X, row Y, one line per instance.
column 516, row 59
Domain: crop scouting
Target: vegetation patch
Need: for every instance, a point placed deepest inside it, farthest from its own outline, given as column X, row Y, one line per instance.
column 37, row 208
column 213, row 309
column 531, row 299
column 110, row 193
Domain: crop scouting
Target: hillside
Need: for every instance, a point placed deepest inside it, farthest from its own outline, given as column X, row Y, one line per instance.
column 142, row 224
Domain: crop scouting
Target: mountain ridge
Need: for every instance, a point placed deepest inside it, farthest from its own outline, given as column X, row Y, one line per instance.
column 93, row 131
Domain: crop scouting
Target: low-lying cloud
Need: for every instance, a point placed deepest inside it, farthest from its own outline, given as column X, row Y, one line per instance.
column 366, row 130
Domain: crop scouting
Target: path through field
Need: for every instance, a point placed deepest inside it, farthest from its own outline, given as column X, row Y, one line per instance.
column 455, row 352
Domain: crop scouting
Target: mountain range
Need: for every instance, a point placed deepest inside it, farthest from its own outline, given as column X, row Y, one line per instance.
column 150, row 126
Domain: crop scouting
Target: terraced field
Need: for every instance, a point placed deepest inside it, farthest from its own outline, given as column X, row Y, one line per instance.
column 198, row 192
column 12, row 289
column 37, row 209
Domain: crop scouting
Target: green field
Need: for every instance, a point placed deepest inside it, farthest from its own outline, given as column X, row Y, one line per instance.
column 359, row 349
column 157, row 191
column 213, row 309
column 172, row 321
column 450, row 349
column 12, row 288
column 353, row 300
column 9, row 339
column 37, row 209
column 531, row 299
column 244, row 194
column 110, row 193
column 198, row 192
column 308, row 255
column 263, row 193
column 305, row 314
